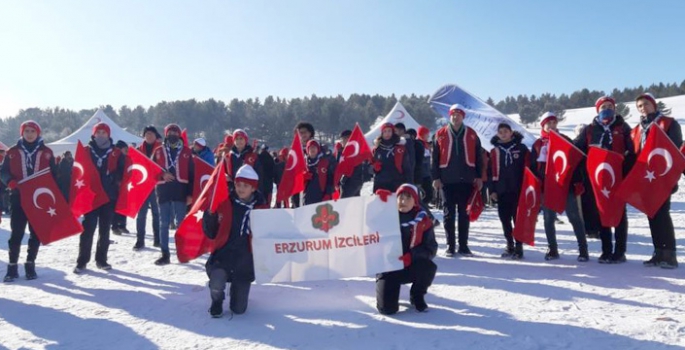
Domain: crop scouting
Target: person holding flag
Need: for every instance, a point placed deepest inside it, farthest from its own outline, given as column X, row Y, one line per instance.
column 109, row 162
column 391, row 161
column 609, row 131
column 151, row 140
column 539, row 156
column 233, row 263
column 319, row 177
column 660, row 224
column 509, row 159
column 456, row 169
column 175, row 187
column 243, row 153
column 351, row 180
column 30, row 155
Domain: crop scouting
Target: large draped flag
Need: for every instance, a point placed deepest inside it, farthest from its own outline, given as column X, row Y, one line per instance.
column 85, row 190
column 562, row 159
column 528, row 208
column 654, row 175
column 480, row 116
column 292, row 181
column 140, row 178
column 46, row 209
column 605, row 169
column 191, row 242
column 475, row 205
column 203, row 171
column 355, row 152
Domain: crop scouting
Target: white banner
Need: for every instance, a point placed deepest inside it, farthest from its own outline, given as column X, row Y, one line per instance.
column 350, row 237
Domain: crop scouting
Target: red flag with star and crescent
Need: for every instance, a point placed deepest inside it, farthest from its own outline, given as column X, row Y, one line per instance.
column 528, row 208
column 654, row 175
column 562, row 159
column 140, row 178
column 355, row 152
column 85, row 190
column 203, row 171
column 191, row 241
column 46, row 209
column 605, row 170
column 292, row 181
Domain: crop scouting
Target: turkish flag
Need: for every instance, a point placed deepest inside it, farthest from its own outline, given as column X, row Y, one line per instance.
column 203, row 171
column 475, row 205
column 655, row 174
column 562, row 159
column 184, row 137
column 46, row 209
column 140, row 178
column 605, row 169
column 356, row 151
column 191, row 242
column 292, row 181
column 528, row 208
column 85, row 190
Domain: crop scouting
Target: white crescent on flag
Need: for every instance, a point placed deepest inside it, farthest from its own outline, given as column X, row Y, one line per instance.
column 203, row 179
column 292, row 155
column 142, row 170
column 608, row 168
column 665, row 154
column 78, row 165
column 562, row 155
column 38, row 192
column 531, row 189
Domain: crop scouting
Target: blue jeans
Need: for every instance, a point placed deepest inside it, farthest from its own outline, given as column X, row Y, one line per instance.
column 141, row 219
column 166, row 211
column 573, row 212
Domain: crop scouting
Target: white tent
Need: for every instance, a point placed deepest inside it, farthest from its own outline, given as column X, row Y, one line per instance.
column 396, row 115
column 84, row 132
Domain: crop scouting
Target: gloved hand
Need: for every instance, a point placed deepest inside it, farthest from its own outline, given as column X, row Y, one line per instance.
column 308, row 176
column 578, row 189
column 383, row 194
column 406, row 259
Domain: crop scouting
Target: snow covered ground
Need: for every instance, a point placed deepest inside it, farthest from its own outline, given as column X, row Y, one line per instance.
column 483, row 302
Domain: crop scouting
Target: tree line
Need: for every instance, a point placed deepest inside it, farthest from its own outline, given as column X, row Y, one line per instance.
column 272, row 120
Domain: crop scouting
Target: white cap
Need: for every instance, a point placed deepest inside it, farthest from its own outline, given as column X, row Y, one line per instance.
column 200, row 141
column 458, row 107
column 247, row 172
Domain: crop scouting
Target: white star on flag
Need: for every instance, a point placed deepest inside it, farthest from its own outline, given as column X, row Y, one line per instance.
column 52, row 211
column 650, row 176
column 605, row 192
column 129, row 186
column 79, row 183
column 199, row 215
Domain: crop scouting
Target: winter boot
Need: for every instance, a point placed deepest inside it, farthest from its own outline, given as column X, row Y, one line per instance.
column 618, row 258
column 655, row 259
column 116, row 231
column 12, row 273
column 449, row 252
column 140, row 244
column 103, row 266
column 583, row 255
column 419, row 302
column 508, row 251
column 668, row 259
column 464, row 251
column 124, row 230
column 552, row 253
column 79, row 269
column 217, row 309
column 606, row 259
column 518, row 251
column 30, row 270
column 163, row 260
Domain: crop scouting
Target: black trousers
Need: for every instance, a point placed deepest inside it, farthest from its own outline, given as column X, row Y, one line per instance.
column 18, row 222
column 427, row 187
column 239, row 291
column 590, row 211
column 420, row 274
column 507, row 203
column 456, row 197
column 351, row 188
column 620, row 234
column 102, row 219
column 661, row 227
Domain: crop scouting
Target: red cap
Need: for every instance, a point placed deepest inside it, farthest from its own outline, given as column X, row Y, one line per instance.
column 313, row 143
column 457, row 108
column 102, row 126
column 248, row 175
column 603, row 99
column 649, row 97
column 30, row 124
column 412, row 191
column 171, row 127
column 546, row 118
column 240, row 133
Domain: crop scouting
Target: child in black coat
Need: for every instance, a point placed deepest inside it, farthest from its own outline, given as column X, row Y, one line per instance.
column 418, row 247
column 233, row 262
column 508, row 160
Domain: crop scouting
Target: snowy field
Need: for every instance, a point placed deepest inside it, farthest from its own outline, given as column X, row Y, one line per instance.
column 483, row 302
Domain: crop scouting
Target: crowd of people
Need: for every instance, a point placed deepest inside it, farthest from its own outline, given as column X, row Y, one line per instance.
column 425, row 172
